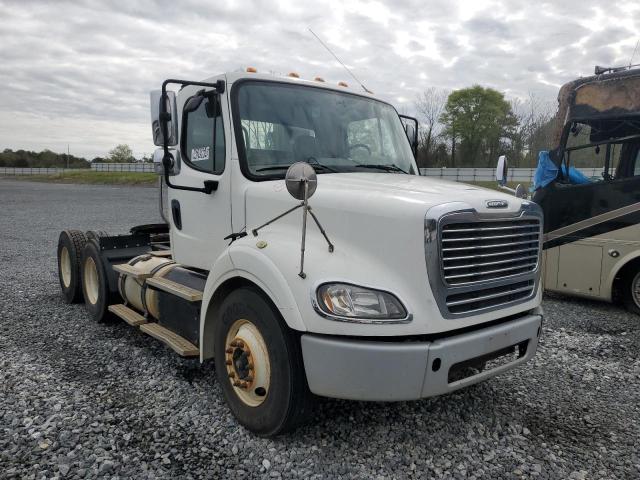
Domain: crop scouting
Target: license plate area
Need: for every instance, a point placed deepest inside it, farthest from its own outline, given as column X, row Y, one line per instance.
column 490, row 361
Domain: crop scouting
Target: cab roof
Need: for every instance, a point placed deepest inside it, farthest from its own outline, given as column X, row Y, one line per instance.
column 356, row 89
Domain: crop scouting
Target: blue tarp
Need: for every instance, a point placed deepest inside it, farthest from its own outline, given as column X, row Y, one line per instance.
column 547, row 171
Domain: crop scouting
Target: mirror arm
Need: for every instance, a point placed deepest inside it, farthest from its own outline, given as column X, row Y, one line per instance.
column 209, row 185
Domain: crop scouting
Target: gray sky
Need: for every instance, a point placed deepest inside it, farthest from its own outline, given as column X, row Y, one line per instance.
column 79, row 72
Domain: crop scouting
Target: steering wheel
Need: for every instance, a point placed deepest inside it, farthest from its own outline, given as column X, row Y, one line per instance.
column 360, row 145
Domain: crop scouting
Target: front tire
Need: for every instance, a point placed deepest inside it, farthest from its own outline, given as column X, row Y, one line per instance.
column 95, row 284
column 70, row 246
column 259, row 365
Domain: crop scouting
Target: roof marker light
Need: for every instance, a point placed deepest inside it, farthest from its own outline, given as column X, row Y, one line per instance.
column 252, row 70
column 343, row 84
column 319, row 79
column 293, row 75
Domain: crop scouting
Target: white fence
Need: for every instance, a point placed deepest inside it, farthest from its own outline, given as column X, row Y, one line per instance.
column 455, row 174
column 489, row 174
column 11, row 171
column 123, row 167
column 96, row 167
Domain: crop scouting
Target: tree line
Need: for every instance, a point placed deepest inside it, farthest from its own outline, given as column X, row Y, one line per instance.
column 46, row 158
column 471, row 127
column 26, row 158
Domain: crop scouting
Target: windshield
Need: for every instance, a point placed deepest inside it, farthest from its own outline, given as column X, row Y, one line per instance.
column 336, row 132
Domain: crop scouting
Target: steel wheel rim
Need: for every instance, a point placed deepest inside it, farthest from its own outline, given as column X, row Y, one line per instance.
column 65, row 267
column 247, row 363
column 91, row 281
column 635, row 290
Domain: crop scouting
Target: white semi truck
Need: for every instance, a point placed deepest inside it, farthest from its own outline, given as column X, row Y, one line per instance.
column 304, row 254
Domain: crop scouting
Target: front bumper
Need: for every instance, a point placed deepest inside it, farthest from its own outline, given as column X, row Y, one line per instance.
column 394, row 371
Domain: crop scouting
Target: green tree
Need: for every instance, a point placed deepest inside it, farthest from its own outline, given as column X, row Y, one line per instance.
column 121, row 154
column 480, row 121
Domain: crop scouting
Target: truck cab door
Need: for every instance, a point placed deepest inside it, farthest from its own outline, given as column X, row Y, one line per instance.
column 199, row 221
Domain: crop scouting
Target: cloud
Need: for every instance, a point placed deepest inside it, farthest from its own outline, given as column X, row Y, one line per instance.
column 79, row 72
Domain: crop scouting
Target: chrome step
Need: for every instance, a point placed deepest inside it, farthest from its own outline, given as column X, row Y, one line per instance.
column 177, row 289
column 126, row 269
column 178, row 344
column 130, row 316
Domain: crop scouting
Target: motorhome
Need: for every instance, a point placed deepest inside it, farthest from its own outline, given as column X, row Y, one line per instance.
column 588, row 186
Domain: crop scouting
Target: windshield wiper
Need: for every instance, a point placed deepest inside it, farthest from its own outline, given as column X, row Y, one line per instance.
column 322, row 167
column 316, row 166
column 274, row 167
column 387, row 168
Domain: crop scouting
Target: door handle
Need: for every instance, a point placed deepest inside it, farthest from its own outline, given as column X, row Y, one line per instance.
column 175, row 213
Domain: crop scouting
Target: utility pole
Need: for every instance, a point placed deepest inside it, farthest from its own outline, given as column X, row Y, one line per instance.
column 67, row 155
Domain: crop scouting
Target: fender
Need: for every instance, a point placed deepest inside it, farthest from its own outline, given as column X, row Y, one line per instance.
column 251, row 265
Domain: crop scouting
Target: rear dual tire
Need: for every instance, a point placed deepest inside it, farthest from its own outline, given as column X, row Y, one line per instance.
column 259, row 365
column 70, row 246
column 95, row 283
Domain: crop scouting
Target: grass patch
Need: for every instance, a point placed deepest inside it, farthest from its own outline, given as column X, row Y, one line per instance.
column 93, row 178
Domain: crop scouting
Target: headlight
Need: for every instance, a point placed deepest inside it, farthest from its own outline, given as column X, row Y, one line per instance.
column 358, row 303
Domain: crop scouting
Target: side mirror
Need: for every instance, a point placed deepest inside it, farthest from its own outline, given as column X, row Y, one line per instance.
column 502, row 170
column 172, row 125
column 193, row 103
column 502, row 173
column 410, row 125
column 520, row 192
column 158, row 167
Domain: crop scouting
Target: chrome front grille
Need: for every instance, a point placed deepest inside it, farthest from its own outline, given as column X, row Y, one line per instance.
column 482, row 262
column 490, row 297
column 480, row 251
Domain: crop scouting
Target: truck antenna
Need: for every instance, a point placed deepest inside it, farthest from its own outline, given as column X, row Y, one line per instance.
column 634, row 53
column 339, row 61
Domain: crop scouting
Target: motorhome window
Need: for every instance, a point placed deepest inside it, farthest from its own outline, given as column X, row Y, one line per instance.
column 282, row 124
column 597, row 161
column 199, row 147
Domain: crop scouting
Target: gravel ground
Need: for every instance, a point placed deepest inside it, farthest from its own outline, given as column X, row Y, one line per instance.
column 80, row 400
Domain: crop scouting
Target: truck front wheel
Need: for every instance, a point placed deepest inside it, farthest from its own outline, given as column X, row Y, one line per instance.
column 259, row 365
column 70, row 245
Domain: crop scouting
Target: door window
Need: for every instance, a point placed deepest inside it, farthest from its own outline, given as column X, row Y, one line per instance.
column 203, row 137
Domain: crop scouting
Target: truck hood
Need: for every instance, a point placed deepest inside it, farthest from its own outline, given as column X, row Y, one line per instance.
column 381, row 191
column 377, row 224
